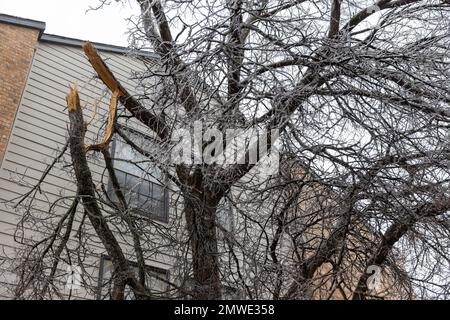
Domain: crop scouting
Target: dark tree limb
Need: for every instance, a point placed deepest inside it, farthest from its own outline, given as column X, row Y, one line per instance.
column 335, row 18
column 393, row 234
column 86, row 192
column 126, row 216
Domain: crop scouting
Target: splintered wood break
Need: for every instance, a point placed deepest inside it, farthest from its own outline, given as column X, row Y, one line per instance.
column 111, row 82
column 110, row 126
column 72, row 98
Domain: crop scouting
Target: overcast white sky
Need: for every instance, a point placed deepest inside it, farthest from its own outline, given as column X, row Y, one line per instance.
column 69, row 18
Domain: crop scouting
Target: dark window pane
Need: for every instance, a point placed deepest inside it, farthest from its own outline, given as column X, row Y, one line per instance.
column 158, row 208
column 158, row 192
column 142, row 193
column 121, row 177
column 145, row 188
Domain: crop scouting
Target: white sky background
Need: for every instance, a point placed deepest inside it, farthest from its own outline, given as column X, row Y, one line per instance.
column 69, row 18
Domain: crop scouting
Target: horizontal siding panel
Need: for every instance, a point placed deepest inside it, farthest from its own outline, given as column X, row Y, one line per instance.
column 88, row 93
column 30, row 172
column 65, row 76
column 49, row 193
column 61, row 62
column 34, row 89
column 39, row 127
column 9, row 218
column 78, row 64
column 8, row 225
column 43, row 160
column 38, row 136
column 44, row 124
column 40, row 104
column 52, row 185
column 59, row 121
column 61, row 89
column 43, row 120
column 119, row 64
column 7, row 236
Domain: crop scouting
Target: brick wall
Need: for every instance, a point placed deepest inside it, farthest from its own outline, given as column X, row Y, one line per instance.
column 17, row 46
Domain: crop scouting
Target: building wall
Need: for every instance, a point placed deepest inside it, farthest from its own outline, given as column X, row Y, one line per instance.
column 39, row 133
column 17, row 46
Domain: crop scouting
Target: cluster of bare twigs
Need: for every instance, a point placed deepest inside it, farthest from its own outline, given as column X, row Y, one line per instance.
column 360, row 94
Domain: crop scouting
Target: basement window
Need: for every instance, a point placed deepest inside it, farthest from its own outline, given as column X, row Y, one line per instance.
column 156, row 281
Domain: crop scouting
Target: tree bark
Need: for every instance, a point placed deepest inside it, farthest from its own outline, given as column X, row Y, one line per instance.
column 86, row 192
column 200, row 211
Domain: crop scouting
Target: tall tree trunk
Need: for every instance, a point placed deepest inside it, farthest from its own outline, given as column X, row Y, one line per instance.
column 200, row 213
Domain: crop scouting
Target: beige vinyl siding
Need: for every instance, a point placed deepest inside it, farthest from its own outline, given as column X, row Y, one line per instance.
column 40, row 132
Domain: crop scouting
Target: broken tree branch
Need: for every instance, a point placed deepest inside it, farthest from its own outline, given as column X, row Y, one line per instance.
column 145, row 116
column 86, row 191
column 110, row 126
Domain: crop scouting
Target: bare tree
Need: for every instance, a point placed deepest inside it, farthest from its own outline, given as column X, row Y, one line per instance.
column 359, row 93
